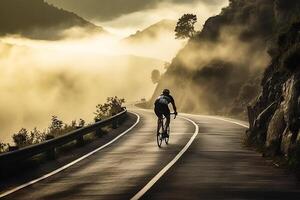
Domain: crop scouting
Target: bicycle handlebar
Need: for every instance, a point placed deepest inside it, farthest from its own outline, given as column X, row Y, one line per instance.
column 173, row 114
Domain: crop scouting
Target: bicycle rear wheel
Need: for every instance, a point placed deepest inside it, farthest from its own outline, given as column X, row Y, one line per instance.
column 159, row 134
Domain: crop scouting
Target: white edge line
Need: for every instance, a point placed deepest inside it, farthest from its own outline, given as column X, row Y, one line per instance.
column 207, row 116
column 233, row 122
column 169, row 165
column 220, row 118
column 71, row 163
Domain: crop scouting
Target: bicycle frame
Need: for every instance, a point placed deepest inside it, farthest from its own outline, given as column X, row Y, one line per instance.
column 162, row 125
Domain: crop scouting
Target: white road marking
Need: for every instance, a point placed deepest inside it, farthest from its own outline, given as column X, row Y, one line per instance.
column 207, row 116
column 168, row 166
column 230, row 121
column 70, row 164
column 220, row 118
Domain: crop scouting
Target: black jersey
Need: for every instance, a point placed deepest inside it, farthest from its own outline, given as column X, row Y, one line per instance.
column 164, row 99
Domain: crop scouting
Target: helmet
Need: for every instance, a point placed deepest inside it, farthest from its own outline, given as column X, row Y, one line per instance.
column 166, row 91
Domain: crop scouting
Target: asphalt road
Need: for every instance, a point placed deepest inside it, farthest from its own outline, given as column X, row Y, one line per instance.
column 215, row 166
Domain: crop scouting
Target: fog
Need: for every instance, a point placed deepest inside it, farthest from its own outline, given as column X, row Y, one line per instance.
column 69, row 77
column 128, row 24
column 123, row 20
column 229, row 48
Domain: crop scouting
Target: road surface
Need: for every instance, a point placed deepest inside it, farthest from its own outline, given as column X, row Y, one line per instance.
column 206, row 163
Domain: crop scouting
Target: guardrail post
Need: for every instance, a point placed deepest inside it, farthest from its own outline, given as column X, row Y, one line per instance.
column 51, row 155
column 80, row 141
column 115, row 123
column 99, row 132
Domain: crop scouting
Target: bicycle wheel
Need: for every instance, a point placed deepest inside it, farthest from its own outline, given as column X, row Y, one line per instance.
column 159, row 135
column 168, row 137
column 159, row 139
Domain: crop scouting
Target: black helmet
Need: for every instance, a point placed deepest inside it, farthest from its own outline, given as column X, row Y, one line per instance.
column 166, row 91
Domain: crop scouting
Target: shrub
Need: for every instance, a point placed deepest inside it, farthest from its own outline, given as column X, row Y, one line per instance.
column 37, row 136
column 55, row 128
column 294, row 157
column 112, row 106
column 3, row 147
column 291, row 59
column 24, row 138
column 58, row 127
column 81, row 123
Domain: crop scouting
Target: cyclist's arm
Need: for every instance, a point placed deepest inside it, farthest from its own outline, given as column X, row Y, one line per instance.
column 173, row 104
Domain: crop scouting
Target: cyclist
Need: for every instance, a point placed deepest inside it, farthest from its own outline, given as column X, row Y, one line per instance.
column 161, row 108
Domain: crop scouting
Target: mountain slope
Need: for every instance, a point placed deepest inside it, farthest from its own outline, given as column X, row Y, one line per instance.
column 219, row 70
column 38, row 19
column 152, row 32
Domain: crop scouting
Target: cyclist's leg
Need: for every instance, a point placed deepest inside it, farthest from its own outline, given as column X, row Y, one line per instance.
column 159, row 117
column 158, row 124
column 167, row 115
column 167, row 120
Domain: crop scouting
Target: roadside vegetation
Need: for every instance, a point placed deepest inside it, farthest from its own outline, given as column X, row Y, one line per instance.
column 57, row 127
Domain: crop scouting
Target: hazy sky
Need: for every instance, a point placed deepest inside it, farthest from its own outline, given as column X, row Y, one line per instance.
column 127, row 16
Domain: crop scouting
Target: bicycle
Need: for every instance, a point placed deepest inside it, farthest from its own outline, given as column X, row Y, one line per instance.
column 160, row 136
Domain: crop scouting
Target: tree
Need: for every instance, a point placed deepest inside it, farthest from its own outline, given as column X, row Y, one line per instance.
column 185, row 26
column 155, row 76
column 22, row 138
column 56, row 126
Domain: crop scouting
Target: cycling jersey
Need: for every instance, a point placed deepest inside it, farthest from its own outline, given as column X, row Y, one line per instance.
column 161, row 105
column 164, row 99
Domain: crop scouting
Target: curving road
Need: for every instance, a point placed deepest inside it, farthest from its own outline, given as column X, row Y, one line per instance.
column 214, row 166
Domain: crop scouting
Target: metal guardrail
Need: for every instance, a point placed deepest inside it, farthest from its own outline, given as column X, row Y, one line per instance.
column 49, row 146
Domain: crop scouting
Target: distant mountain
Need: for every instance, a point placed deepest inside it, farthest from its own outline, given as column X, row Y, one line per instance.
column 152, row 32
column 38, row 19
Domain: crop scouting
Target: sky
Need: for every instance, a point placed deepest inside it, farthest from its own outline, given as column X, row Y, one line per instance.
column 124, row 17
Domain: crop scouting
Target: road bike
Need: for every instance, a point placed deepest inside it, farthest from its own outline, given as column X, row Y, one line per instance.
column 164, row 132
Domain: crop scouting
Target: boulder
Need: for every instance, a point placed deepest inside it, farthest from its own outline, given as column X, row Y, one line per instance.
column 276, row 128
column 290, row 103
column 286, row 141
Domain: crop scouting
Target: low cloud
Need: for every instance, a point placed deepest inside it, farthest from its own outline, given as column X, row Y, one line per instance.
column 107, row 10
column 70, row 77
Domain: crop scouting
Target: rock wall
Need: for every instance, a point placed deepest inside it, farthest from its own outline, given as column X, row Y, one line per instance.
column 275, row 116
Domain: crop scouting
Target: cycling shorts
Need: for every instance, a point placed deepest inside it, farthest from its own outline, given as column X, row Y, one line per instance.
column 161, row 110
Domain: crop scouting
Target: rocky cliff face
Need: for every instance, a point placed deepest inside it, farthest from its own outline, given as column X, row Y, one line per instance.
column 220, row 70
column 275, row 116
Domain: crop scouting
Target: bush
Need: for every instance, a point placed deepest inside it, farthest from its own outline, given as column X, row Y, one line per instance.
column 58, row 127
column 37, row 136
column 291, row 59
column 24, row 138
column 55, row 128
column 112, row 106
column 3, row 147
column 294, row 157
column 81, row 123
